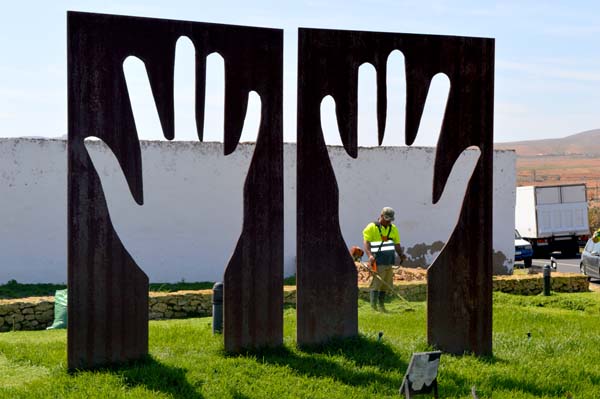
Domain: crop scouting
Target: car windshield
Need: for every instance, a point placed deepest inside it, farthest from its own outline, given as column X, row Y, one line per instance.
column 517, row 235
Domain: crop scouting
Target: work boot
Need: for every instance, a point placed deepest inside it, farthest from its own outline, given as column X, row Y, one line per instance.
column 382, row 301
column 374, row 295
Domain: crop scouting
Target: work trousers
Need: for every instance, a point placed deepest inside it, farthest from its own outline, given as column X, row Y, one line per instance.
column 386, row 272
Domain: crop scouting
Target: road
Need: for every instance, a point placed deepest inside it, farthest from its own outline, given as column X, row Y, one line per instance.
column 565, row 265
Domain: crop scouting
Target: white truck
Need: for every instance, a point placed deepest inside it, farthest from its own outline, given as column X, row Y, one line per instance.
column 553, row 218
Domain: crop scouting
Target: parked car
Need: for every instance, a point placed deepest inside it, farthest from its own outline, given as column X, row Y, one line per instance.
column 523, row 250
column 590, row 259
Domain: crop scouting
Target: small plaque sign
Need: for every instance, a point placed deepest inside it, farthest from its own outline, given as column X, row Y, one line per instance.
column 421, row 376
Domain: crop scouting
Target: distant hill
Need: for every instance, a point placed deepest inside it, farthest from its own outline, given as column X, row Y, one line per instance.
column 586, row 144
column 568, row 160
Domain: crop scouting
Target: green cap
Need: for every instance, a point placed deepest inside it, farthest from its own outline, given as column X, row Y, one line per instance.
column 388, row 214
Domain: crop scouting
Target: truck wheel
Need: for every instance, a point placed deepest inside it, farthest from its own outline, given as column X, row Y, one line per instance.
column 572, row 251
column 527, row 262
column 540, row 253
column 568, row 253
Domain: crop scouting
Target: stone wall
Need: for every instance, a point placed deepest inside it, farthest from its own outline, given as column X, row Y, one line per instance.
column 38, row 313
column 26, row 314
column 534, row 284
column 180, row 304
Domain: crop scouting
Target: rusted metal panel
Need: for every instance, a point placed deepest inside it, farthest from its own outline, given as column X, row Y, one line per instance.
column 459, row 295
column 108, row 292
column 459, row 289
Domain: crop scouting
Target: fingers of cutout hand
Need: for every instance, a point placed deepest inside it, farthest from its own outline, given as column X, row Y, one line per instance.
column 172, row 236
column 400, row 178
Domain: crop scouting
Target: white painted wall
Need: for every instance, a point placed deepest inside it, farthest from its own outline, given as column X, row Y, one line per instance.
column 402, row 177
column 192, row 214
column 33, row 210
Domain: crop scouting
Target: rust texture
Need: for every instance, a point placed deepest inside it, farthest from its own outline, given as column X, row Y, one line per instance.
column 460, row 281
column 108, row 292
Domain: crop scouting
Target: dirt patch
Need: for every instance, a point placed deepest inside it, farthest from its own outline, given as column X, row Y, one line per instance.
column 400, row 274
column 32, row 300
column 560, row 169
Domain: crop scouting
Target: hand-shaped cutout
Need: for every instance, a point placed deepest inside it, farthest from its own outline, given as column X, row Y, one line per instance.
column 362, row 191
column 459, row 281
column 191, row 216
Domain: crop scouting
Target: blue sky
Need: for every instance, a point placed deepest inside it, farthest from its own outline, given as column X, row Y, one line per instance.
column 547, row 57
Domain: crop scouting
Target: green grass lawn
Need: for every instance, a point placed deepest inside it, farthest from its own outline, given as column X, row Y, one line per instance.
column 561, row 358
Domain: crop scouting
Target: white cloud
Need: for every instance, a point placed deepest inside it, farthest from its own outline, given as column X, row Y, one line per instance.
column 550, row 71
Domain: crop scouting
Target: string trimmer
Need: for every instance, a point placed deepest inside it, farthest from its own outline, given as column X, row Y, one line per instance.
column 391, row 288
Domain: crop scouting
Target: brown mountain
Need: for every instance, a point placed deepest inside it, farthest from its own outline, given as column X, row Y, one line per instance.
column 584, row 144
column 571, row 159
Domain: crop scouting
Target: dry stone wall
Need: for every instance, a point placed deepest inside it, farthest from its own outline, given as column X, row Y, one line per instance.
column 534, row 284
column 179, row 305
column 26, row 314
column 38, row 313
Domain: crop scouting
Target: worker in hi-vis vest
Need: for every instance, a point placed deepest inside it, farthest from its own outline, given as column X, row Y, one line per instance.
column 596, row 236
column 382, row 242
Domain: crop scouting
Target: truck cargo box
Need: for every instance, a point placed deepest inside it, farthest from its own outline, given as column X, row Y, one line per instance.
column 552, row 217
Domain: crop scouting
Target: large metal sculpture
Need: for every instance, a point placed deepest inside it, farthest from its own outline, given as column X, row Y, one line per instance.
column 108, row 293
column 460, row 281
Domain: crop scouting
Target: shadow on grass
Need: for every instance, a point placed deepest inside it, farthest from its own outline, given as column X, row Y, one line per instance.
column 525, row 384
column 238, row 395
column 361, row 351
column 509, row 384
column 490, row 359
column 158, row 377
